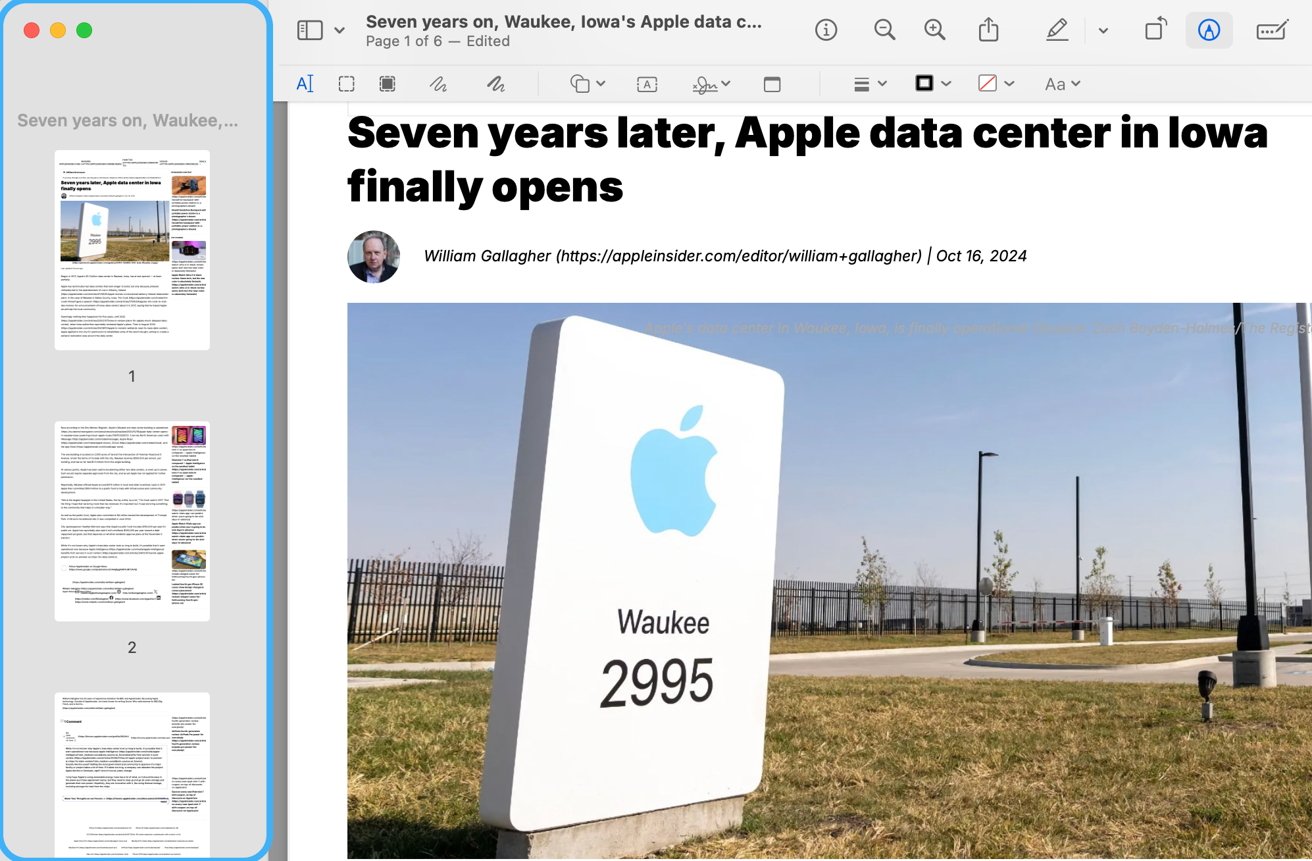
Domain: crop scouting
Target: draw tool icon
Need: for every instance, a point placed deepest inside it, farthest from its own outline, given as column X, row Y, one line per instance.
column 1055, row 30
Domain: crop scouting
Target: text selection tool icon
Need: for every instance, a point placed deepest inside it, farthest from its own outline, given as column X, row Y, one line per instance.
column 580, row 84
column 308, row 30
column 1056, row 33
column 934, row 29
column 988, row 31
column 1272, row 32
column 1154, row 31
column 826, row 29
column 884, row 29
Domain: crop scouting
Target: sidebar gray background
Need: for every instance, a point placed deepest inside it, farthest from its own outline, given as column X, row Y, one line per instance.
column 142, row 60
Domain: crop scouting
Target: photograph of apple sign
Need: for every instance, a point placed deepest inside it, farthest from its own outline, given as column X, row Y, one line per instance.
column 640, row 552
column 669, row 478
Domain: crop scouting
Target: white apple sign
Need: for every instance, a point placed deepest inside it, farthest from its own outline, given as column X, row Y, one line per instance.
column 93, row 231
column 635, row 626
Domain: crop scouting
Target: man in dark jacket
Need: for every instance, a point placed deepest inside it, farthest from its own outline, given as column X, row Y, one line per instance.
column 375, row 268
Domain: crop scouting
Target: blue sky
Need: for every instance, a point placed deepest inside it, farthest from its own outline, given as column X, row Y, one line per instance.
column 881, row 434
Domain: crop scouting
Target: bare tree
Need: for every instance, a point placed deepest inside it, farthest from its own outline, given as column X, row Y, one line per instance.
column 385, row 581
column 928, row 583
column 1169, row 587
column 465, row 549
column 1215, row 592
column 1036, row 604
column 1003, row 571
column 874, row 580
column 788, row 606
column 460, row 555
column 1100, row 588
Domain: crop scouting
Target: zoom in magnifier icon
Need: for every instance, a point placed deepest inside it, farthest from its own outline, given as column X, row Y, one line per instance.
column 934, row 27
column 884, row 27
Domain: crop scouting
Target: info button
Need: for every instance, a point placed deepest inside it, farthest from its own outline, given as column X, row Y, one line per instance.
column 1209, row 30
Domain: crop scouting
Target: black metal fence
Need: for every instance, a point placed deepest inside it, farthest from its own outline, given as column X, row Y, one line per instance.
column 823, row 608
column 403, row 602
column 408, row 602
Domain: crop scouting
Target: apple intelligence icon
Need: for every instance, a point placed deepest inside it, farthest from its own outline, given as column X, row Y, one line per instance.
column 669, row 478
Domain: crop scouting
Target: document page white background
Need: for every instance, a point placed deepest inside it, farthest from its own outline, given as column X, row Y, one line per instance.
column 1107, row 225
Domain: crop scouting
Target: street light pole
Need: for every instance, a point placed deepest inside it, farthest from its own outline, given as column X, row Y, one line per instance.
column 977, row 632
column 1077, row 629
column 1305, row 389
column 1254, row 664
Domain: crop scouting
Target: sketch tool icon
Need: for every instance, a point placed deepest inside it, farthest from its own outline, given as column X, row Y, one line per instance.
column 1055, row 31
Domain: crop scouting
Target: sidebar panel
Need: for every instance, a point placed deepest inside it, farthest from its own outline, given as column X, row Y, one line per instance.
column 137, row 575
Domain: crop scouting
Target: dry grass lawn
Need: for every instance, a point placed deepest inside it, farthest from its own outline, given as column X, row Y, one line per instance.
column 907, row 768
column 390, row 653
column 401, row 653
column 118, row 249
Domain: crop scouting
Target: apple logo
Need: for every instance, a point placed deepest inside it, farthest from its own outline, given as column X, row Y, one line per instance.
column 95, row 219
column 669, row 478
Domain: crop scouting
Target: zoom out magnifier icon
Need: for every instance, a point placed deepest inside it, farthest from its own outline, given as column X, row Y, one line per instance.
column 884, row 27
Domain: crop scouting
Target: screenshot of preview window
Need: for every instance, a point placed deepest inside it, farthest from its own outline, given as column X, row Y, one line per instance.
column 514, row 321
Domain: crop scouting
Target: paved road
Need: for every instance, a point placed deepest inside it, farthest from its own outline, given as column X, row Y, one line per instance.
column 949, row 662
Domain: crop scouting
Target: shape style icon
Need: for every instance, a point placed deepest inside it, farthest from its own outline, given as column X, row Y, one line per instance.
column 669, row 478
